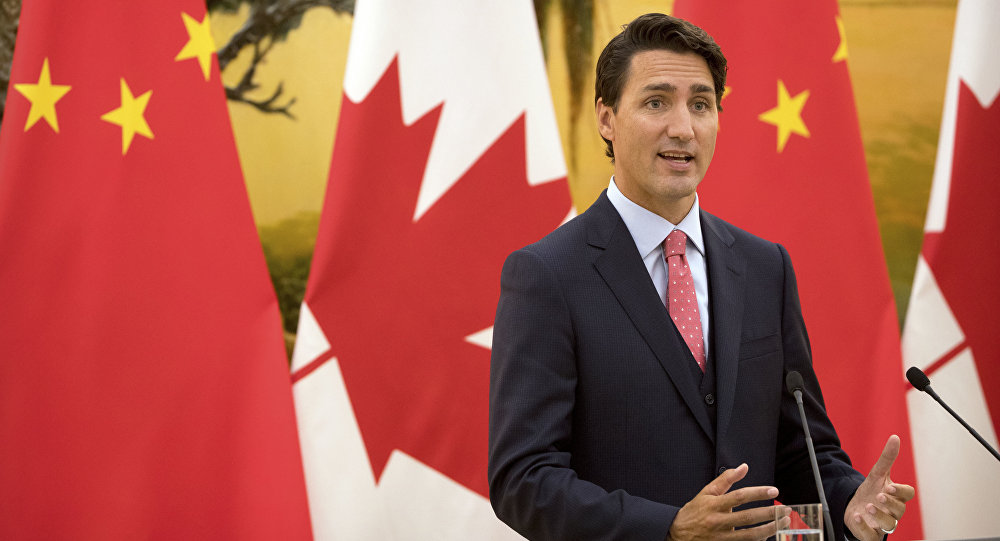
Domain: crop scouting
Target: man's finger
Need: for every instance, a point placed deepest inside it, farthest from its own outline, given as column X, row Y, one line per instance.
column 890, row 505
column 721, row 484
column 883, row 521
column 759, row 532
column 756, row 515
column 901, row 492
column 744, row 495
column 865, row 527
column 885, row 461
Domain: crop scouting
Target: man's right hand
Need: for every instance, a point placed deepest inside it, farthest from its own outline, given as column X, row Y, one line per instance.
column 710, row 514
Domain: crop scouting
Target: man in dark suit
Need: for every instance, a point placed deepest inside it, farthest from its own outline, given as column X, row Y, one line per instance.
column 626, row 407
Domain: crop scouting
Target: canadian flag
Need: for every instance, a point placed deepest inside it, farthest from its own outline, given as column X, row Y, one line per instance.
column 950, row 331
column 447, row 158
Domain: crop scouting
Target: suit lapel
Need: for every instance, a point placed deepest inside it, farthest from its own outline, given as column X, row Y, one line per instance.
column 726, row 282
column 622, row 269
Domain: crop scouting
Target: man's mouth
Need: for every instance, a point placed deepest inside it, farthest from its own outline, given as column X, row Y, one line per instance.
column 679, row 157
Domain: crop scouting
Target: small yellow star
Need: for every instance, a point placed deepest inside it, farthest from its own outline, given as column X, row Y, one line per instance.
column 200, row 44
column 787, row 116
column 130, row 116
column 43, row 97
column 726, row 90
column 841, row 53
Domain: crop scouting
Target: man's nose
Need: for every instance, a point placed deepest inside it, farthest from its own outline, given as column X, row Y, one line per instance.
column 679, row 124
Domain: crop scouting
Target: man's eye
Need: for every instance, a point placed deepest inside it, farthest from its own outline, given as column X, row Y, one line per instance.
column 700, row 106
column 655, row 104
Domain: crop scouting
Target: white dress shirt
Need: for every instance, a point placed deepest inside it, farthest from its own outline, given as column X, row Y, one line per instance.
column 649, row 230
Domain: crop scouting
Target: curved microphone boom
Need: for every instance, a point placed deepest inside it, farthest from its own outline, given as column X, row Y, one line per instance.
column 795, row 385
column 922, row 383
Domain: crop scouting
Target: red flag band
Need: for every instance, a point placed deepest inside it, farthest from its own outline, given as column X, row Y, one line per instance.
column 950, row 330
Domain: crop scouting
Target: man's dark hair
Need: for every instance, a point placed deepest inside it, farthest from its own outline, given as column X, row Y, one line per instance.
column 653, row 31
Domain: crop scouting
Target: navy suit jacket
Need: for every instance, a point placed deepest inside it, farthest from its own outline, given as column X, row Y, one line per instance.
column 602, row 426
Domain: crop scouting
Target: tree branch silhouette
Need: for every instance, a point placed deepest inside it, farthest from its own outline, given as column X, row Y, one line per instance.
column 268, row 22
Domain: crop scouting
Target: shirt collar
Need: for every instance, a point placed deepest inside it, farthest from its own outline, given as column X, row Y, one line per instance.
column 649, row 229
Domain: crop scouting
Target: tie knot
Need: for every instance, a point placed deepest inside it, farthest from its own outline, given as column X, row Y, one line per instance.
column 675, row 244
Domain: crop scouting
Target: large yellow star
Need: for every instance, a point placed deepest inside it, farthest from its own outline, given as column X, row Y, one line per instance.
column 200, row 44
column 841, row 53
column 43, row 97
column 130, row 116
column 787, row 116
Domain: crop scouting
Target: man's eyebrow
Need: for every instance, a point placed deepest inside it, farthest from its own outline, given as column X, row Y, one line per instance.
column 661, row 87
column 697, row 88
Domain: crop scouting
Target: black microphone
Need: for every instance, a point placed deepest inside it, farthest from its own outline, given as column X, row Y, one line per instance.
column 921, row 382
column 795, row 385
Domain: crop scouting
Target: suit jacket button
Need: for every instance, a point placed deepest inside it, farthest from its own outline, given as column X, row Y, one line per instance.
column 710, row 399
column 722, row 470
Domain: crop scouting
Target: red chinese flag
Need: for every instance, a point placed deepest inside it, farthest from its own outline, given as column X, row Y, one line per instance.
column 143, row 383
column 790, row 167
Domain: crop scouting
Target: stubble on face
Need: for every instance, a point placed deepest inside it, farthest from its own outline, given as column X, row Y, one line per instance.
column 663, row 131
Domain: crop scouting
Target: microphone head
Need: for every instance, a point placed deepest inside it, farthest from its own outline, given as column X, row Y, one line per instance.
column 793, row 382
column 917, row 378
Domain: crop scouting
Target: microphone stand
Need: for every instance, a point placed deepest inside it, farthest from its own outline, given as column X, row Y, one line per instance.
column 922, row 383
column 815, row 467
column 971, row 430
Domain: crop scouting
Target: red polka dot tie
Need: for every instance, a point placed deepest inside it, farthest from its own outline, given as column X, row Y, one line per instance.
column 682, row 303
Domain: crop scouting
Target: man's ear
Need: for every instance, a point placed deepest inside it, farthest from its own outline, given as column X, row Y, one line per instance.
column 605, row 120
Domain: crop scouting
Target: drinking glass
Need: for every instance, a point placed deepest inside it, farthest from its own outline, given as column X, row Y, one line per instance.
column 806, row 522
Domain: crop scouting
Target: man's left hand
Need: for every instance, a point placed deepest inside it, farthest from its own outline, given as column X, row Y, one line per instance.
column 879, row 503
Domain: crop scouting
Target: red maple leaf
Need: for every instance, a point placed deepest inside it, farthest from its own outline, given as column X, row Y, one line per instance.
column 965, row 261
column 397, row 298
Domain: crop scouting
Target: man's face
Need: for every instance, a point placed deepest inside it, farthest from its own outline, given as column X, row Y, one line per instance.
column 664, row 130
